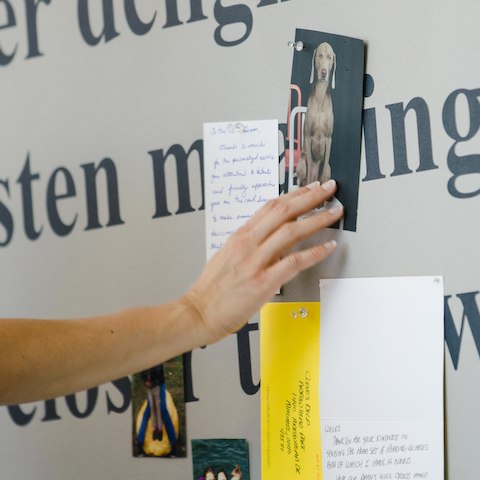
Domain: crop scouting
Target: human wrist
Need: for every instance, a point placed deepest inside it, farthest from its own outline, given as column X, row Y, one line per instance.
column 201, row 327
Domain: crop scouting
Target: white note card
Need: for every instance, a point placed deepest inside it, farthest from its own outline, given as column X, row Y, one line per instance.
column 241, row 174
column 381, row 378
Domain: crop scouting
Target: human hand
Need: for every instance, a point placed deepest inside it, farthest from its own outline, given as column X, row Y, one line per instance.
column 256, row 260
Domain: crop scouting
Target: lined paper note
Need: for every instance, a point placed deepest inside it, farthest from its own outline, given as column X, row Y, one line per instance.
column 241, row 174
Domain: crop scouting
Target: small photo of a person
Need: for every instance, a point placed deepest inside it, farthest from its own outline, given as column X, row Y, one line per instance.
column 154, row 378
column 157, row 420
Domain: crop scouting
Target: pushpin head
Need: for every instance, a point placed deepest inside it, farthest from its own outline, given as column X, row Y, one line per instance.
column 298, row 46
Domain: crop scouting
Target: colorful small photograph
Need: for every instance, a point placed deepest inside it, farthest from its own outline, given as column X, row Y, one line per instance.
column 158, row 406
column 220, row 459
column 325, row 115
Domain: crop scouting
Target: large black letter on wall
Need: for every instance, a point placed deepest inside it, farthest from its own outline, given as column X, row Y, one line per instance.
column 245, row 359
column 370, row 134
column 108, row 32
column 196, row 13
column 6, row 58
column 398, row 113
column 181, row 162
column 31, row 8
column 19, row 417
column 58, row 226
column 6, row 218
column 91, row 171
column 136, row 25
column 123, row 386
column 460, row 165
column 229, row 16
column 188, row 378
column 25, row 180
column 471, row 313
column 92, row 395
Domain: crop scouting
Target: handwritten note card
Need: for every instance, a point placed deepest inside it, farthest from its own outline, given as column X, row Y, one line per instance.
column 289, row 361
column 241, row 174
column 381, row 378
column 355, row 393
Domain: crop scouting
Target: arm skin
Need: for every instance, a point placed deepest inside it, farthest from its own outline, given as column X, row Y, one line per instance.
column 47, row 358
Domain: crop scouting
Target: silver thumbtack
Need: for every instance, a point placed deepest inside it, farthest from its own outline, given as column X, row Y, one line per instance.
column 298, row 46
column 302, row 313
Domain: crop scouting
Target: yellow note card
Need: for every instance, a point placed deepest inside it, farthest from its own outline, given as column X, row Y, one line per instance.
column 289, row 362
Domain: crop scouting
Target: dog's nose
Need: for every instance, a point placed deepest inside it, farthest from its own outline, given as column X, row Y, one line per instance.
column 323, row 72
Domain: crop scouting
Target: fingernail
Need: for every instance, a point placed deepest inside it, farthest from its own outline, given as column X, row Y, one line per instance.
column 336, row 209
column 313, row 185
column 330, row 185
column 330, row 246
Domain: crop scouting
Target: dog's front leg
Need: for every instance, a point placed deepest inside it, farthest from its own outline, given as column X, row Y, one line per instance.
column 302, row 166
column 302, row 170
column 327, row 171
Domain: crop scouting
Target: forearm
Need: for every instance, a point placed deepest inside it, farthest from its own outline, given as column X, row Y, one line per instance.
column 48, row 358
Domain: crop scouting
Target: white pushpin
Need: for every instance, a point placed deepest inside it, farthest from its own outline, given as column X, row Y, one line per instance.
column 298, row 46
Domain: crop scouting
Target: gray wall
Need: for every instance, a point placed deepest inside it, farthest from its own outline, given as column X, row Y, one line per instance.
column 141, row 89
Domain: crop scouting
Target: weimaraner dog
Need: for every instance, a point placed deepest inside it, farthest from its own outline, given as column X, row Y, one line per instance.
column 318, row 127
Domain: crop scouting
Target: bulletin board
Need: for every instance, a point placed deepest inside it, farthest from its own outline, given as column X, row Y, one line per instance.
column 102, row 201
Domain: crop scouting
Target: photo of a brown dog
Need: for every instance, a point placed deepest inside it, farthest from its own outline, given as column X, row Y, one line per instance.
column 314, row 161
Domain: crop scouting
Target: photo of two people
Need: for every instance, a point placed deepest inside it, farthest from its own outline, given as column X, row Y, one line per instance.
column 220, row 459
column 210, row 474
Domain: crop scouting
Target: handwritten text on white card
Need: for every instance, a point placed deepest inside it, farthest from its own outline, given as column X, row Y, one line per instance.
column 241, row 174
column 381, row 386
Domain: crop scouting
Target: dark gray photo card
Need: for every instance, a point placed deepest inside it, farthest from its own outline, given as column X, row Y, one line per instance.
column 325, row 115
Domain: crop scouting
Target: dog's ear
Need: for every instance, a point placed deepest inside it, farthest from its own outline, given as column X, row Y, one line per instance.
column 312, row 73
column 334, row 70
